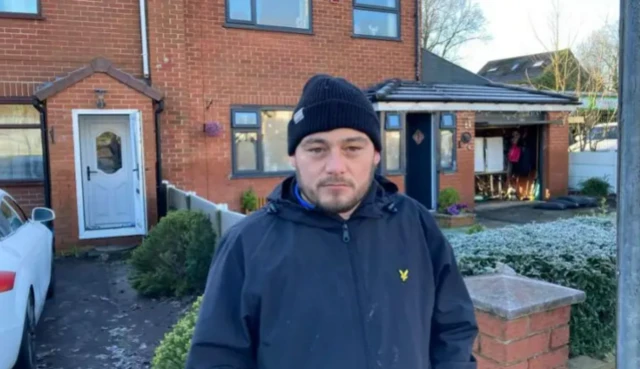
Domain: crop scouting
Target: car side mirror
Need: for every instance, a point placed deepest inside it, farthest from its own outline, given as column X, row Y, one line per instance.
column 42, row 215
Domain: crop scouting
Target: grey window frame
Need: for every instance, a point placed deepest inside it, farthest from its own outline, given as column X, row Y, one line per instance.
column 36, row 15
column 257, row 128
column 253, row 23
column 453, row 129
column 380, row 9
column 399, row 129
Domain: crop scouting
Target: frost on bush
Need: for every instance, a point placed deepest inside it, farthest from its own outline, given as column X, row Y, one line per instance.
column 578, row 253
column 174, row 258
column 174, row 348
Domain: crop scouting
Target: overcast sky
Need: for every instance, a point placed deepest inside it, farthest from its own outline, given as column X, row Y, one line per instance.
column 511, row 23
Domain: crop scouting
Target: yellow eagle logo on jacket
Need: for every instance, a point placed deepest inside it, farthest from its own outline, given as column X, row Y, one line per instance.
column 404, row 274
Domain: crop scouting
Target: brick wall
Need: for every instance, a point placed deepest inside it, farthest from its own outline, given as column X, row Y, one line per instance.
column 204, row 68
column 556, row 155
column 28, row 196
column 33, row 51
column 61, row 150
column 463, row 178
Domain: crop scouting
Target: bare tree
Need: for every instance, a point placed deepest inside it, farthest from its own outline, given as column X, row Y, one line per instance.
column 448, row 24
column 589, row 76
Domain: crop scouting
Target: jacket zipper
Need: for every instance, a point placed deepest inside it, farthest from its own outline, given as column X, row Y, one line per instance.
column 346, row 238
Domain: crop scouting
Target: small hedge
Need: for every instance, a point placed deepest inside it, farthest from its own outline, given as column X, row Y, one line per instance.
column 578, row 253
column 595, row 187
column 174, row 259
column 174, row 348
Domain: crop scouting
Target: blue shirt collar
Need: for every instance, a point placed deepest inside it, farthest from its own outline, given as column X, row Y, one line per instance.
column 305, row 204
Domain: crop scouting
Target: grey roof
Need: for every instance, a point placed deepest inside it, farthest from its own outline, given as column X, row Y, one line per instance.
column 412, row 91
column 518, row 69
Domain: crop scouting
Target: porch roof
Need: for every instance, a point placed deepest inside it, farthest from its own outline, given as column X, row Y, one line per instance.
column 395, row 90
column 97, row 65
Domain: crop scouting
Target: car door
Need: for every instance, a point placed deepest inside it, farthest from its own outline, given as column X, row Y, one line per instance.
column 27, row 241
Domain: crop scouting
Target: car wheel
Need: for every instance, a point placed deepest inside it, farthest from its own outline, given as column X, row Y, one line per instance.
column 27, row 354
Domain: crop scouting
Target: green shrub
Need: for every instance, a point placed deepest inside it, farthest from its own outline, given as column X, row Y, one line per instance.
column 476, row 228
column 174, row 347
column 249, row 200
column 578, row 253
column 448, row 197
column 595, row 186
column 174, row 259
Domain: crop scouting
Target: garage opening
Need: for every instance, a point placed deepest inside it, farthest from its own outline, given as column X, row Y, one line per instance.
column 508, row 157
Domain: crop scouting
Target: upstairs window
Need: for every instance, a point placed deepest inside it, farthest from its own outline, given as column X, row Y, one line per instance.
column 31, row 7
column 376, row 18
column 270, row 14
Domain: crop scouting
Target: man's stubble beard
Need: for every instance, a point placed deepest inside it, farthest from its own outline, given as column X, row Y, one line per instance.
column 333, row 207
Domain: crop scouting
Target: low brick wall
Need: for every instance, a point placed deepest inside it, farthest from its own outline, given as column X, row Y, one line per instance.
column 523, row 323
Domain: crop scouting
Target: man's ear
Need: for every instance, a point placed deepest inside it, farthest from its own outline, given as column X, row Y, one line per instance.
column 292, row 161
column 376, row 157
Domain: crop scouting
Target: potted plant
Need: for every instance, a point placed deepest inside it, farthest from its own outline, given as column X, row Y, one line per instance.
column 249, row 201
column 451, row 212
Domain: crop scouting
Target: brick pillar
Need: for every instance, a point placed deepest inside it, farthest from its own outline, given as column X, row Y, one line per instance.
column 556, row 155
column 524, row 323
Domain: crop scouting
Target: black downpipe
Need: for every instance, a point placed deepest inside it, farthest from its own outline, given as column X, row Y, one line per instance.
column 161, row 201
column 417, row 35
column 44, row 136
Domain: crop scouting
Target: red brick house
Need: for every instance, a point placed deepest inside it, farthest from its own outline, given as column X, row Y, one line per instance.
column 100, row 104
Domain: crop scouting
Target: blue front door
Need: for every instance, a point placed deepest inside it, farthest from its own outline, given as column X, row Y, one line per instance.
column 420, row 173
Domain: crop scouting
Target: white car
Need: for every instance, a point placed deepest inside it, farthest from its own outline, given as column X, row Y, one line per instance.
column 26, row 280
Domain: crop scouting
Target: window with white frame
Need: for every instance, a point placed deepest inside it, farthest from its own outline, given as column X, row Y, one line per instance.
column 376, row 18
column 274, row 14
column 20, row 6
column 260, row 141
column 20, row 144
column 393, row 143
column 447, row 133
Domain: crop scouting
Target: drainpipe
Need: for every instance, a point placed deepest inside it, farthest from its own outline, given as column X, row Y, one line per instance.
column 41, row 107
column 160, row 190
column 417, row 35
column 144, row 38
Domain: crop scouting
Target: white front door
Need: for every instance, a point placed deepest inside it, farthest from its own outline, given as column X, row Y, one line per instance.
column 111, row 182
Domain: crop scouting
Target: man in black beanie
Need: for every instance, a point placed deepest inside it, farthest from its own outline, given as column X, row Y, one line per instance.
column 339, row 270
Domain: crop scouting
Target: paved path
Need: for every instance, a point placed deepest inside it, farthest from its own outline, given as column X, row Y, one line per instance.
column 97, row 321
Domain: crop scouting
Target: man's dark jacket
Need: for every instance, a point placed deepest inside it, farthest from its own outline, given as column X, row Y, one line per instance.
column 292, row 288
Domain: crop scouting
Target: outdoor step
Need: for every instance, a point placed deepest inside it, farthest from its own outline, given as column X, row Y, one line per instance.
column 585, row 362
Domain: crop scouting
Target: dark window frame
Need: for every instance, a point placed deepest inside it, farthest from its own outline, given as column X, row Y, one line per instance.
column 380, row 9
column 453, row 129
column 253, row 23
column 34, row 126
column 387, row 127
column 257, row 128
column 37, row 15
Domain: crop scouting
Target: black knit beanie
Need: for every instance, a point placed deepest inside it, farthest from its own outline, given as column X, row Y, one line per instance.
column 329, row 103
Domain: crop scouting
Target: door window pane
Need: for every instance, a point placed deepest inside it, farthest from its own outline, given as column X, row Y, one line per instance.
column 375, row 23
column 274, row 140
column 392, row 150
column 109, row 152
column 246, row 151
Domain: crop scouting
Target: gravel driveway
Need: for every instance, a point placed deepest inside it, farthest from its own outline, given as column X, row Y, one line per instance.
column 96, row 320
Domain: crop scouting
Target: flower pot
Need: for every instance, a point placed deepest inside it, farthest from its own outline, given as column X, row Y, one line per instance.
column 455, row 221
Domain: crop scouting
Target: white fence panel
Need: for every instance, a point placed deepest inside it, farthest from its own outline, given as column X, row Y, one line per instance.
column 587, row 164
column 219, row 214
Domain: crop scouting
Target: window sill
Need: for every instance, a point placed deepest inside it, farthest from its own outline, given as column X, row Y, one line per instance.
column 19, row 183
column 377, row 38
column 254, row 27
column 449, row 171
column 261, row 175
column 395, row 173
column 8, row 15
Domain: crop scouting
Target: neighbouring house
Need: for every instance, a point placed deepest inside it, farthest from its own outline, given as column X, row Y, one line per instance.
column 105, row 104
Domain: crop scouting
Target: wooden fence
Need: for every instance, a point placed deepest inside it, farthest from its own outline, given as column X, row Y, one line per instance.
column 219, row 214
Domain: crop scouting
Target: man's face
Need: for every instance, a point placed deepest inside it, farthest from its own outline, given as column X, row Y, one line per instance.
column 334, row 169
